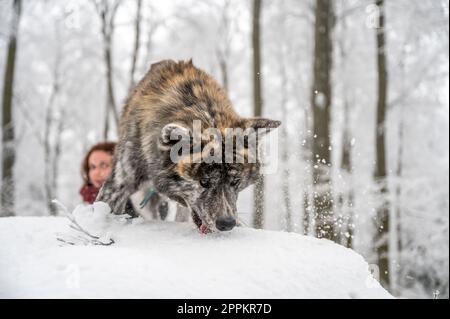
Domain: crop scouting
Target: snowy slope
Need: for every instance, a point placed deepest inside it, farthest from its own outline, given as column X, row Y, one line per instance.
column 153, row 259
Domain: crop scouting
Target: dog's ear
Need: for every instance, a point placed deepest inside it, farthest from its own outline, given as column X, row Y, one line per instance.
column 171, row 134
column 261, row 126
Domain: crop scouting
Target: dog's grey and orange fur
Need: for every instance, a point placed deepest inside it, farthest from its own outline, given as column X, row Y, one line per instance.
column 173, row 95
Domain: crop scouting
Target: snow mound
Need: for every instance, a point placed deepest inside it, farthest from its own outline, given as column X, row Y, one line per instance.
column 153, row 259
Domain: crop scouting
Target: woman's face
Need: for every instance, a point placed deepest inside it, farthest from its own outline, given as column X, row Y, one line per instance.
column 100, row 165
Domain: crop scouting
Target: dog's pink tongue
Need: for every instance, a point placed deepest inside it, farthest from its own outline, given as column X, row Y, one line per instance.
column 204, row 229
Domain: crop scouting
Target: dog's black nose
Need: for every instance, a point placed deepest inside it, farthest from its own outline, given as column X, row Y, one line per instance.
column 225, row 223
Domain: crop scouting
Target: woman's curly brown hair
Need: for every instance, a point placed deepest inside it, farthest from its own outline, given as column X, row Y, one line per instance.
column 107, row 147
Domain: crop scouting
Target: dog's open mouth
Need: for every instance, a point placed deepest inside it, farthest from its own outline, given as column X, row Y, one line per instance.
column 202, row 226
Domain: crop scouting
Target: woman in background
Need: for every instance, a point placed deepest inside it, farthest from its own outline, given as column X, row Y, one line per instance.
column 95, row 169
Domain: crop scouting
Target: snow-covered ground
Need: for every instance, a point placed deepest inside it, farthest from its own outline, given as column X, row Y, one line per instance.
column 154, row 259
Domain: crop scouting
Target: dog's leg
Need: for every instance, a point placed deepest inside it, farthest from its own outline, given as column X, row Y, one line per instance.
column 115, row 196
column 183, row 214
column 129, row 209
column 158, row 206
column 163, row 209
column 117, row 189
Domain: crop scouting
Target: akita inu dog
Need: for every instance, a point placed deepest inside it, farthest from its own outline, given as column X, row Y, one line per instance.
column 160, row 115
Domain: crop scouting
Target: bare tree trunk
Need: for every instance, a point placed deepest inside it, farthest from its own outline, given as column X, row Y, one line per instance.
column 57, row 155
column 107, row 15
column 306, row 213
column 110, row 99
column 258, row 197
column 346, row 197
column 8, row 147
column 321, row 101
column 48, row 152
column 224, row 47
column 350, row 221
column 223, row 70
column 285, row 153
column 306, row 146
column 153, row 26
column 52, row 155
column 54, row 124
column 383, row 227
column 346, row 167
column 49, row 177
column 399, row 185
column 137, row 39
column 287, row 193
column 397, row 241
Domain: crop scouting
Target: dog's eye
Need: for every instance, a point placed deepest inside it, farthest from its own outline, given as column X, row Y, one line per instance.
column 235, row 182
column 204, row 183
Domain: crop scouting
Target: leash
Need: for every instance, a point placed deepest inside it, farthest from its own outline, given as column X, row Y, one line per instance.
column 146, row 199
